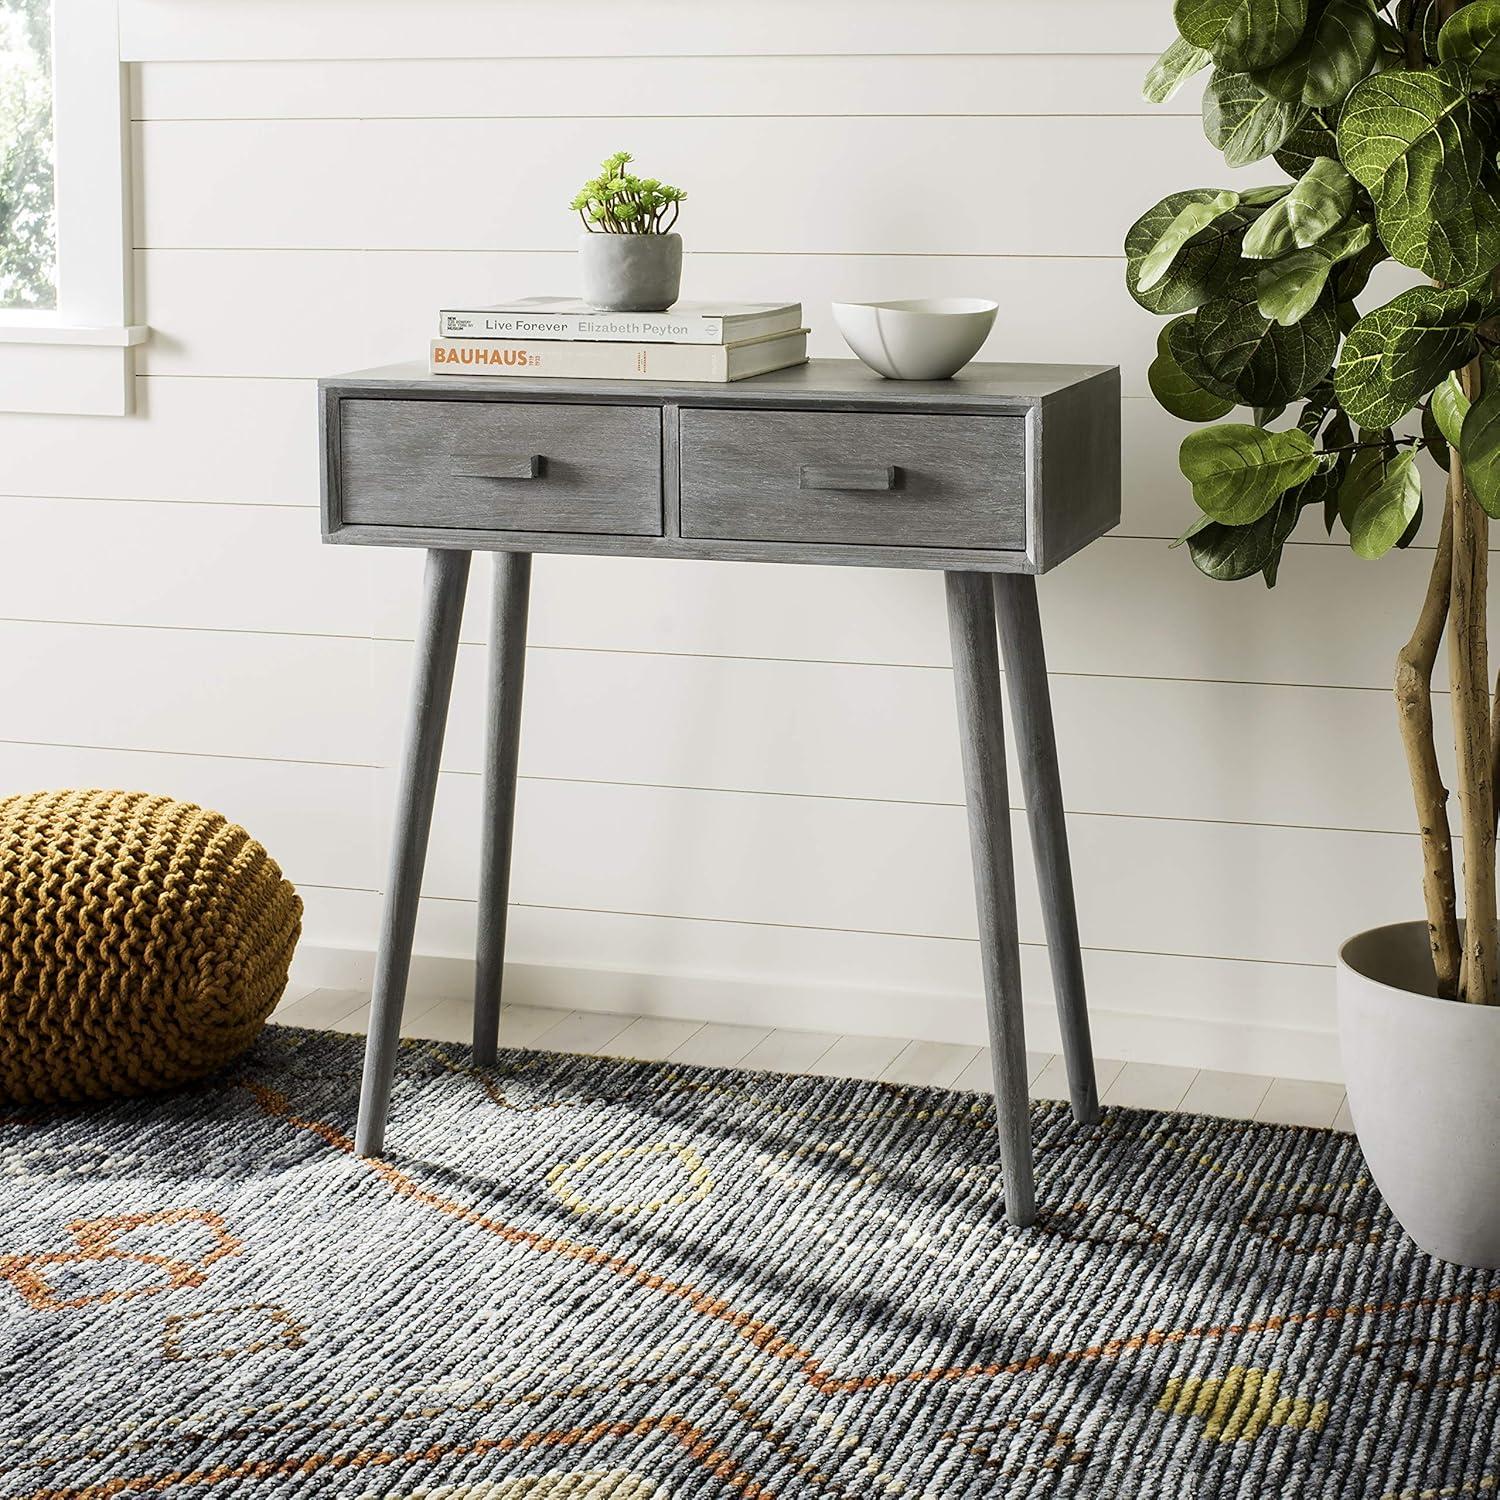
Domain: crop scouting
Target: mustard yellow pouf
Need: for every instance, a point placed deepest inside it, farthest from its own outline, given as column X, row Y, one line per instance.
column 143, row 943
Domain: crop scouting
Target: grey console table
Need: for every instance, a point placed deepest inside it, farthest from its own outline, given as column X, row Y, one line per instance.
column 991, row 478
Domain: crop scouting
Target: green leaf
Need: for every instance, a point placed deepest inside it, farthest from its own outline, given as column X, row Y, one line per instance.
column 1410, row 534
column 1338, row 48
column 1312, row 138
column 1230, row 553
column 1178, row 393
column 1193, row 527
column 1432, row 438
column 1264, row 197
column 1238, row 471
column 1172, row 69
column 1352, row 275
column 1424, row 17
column 1397, row 353
column 1244, row 123
column 1321, row 490
column 1450, row 246
column 1231, row 349
column 1286, row 290
column 1242, row 34
column 1388, row 509
column 1472, row 36
column 1205, row 265
column 1366, row 470
column 1333, row 480
column 1449, row 408
column 1315, row 410
column 1317, row 204
column 1345, row 47
column 1189, row 220
column 1415, row 141
column 1479, row 442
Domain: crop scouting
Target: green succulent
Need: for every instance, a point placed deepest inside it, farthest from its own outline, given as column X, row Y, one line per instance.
column 616, row 202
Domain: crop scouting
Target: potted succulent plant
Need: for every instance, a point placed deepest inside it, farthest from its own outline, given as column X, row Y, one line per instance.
column 631, row 260
column 1383, row 115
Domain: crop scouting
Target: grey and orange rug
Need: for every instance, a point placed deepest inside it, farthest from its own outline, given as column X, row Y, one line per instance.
column 629, row 1281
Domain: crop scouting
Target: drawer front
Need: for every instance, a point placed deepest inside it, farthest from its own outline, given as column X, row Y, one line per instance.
column 864, row 478
column 501, row 466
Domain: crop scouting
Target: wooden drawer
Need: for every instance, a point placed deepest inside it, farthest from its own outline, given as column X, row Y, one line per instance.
column 862, row 478
column 501, row 466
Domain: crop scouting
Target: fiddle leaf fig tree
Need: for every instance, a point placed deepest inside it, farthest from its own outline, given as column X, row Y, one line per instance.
column 1385, row 116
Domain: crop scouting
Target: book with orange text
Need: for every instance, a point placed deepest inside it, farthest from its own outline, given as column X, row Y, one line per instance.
column 608, row 361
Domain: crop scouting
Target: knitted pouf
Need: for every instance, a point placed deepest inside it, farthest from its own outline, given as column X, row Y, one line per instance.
column 143, row 943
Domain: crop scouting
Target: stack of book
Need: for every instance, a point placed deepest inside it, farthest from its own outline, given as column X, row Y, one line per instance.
column 560, row 336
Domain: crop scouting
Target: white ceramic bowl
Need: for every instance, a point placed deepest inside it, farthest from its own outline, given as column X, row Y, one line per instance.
column 926, row 338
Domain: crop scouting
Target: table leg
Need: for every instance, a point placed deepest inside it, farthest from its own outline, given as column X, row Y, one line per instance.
column 1031, row 718
column 432, row 681
column 976, row 677
column 512, row 594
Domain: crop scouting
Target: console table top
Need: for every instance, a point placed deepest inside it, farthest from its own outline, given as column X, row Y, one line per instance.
column 831, row 382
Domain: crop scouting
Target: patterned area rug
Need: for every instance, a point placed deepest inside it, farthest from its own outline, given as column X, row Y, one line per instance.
column 631, row 1281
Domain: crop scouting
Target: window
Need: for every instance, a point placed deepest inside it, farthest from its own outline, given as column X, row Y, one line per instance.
column 65, row 329
column 28, row 221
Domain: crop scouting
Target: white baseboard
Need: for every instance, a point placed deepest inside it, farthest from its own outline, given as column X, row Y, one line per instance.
column 1252, row 1046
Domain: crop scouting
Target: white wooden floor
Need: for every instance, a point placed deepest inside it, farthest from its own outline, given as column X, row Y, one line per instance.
column 1240, row 1096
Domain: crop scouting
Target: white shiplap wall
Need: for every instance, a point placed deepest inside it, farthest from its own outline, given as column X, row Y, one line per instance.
column 741, row 792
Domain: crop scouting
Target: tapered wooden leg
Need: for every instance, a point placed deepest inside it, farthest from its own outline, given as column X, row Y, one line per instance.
column 512, row 594
column 976, row 678
column 1036, row 744
column 432, row 682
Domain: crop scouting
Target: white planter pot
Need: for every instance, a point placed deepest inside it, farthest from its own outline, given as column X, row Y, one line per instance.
column 630, row 272
column 1423, row 1076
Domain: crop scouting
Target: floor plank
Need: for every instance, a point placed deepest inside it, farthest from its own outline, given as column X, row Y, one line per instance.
column 720, row 1044
column 1052, row 1082
column 1149, row 1086
column 291, row 995
column 788, row 1051
column 1232, row 1096
column 583, row 1031
column 1295, row 1101
column 650, row 1039
column 929, row 1064
column 450, row 1020
column 858, row 1057
column 322, row 1009
column 980, row 1074
column 357, row 1022
column 526, row 1025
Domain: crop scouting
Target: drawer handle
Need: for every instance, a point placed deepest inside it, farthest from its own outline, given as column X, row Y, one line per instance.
column 850, row 476
column 500, row 466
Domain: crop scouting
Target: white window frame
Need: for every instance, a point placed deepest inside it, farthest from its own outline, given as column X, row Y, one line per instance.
column 78, row 357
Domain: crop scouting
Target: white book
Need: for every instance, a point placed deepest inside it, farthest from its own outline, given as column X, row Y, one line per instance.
column 543, row 358
column 567, row 318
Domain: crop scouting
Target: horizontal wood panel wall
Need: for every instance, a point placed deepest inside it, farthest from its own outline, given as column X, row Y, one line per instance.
column 759, row 764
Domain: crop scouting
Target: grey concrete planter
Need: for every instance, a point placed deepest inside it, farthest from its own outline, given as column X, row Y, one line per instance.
column 630, row 272
column 1423, row 1076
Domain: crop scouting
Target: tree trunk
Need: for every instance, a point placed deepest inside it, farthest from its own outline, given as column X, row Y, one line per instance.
column 1469, row 679
column 1495, row 748
column 1414, row 667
